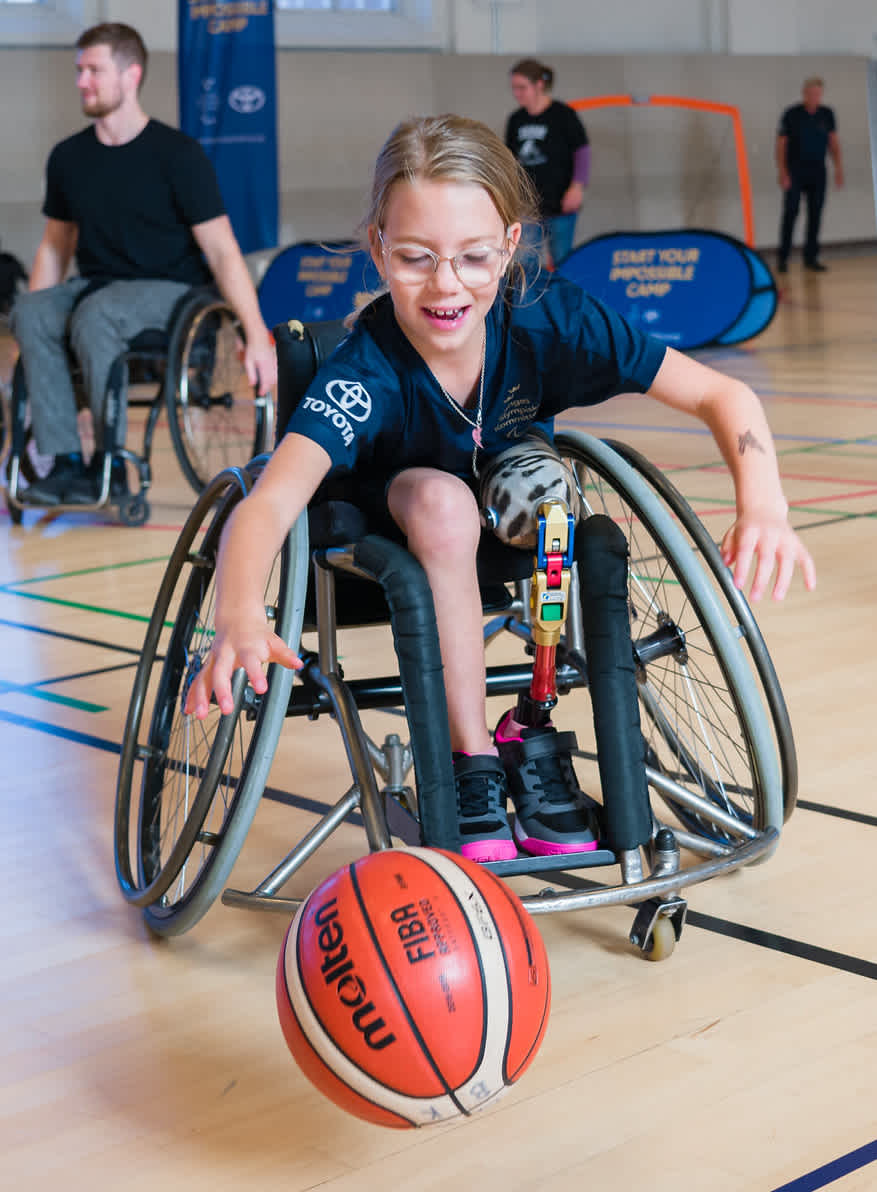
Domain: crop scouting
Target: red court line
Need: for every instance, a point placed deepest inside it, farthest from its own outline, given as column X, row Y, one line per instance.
column 803, row 503
column 852, row 496
column 802, row 399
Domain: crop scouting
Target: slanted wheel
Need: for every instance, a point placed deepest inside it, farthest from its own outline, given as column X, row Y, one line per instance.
column 747, row 627
column 662, row 941
column 216, row 418
column 134, row 510
column 702, row 701
column 188, row 790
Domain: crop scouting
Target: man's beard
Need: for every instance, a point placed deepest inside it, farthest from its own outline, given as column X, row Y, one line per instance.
column 98, row 109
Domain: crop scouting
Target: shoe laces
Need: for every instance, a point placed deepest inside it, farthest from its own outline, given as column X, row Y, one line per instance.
column 554, row 774
column 473, row 794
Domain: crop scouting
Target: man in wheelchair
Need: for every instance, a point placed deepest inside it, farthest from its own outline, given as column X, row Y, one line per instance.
column 139, row 205
column 458, row 369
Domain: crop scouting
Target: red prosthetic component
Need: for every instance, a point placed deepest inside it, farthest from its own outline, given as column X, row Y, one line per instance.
column 549, row 591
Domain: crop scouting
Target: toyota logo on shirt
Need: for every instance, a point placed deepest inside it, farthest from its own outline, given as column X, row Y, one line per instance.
column 347, row 399
column 246, row 99
column 350, row 397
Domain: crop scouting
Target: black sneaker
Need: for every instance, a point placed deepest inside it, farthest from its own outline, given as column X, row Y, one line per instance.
column 53, row 488
column 782, row 267
column 481, row 808
column 552, row 814
column 86, row 489
column 815, row 266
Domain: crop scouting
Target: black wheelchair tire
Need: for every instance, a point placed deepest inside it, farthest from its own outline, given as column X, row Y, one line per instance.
column 740, row 774
column 193, row 321
column 175, row 889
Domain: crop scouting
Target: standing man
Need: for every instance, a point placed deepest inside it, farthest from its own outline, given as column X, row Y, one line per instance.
column 138, row 204
column 806, row 133
column 549, row 140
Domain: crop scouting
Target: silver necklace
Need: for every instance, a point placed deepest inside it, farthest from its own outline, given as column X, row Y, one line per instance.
column 475, row 422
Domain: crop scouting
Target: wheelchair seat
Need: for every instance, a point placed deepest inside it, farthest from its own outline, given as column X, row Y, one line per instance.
column 719, row 752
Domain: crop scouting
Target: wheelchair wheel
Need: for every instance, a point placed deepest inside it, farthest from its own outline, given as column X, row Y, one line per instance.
column 16, row 435
column 702, row 701
column 216, row 419
column 747, row 627
column 188, row 790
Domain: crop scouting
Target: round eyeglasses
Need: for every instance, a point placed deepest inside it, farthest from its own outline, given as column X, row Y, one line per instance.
column 411, row 264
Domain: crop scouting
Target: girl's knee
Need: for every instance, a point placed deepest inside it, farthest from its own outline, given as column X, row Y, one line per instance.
column 436, row 510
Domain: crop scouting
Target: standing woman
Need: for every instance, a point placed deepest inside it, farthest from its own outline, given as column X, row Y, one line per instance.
column 550, row 142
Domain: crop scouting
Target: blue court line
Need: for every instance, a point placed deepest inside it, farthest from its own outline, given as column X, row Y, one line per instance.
column 55, row 730
column 835, row 1170
column 597, row 427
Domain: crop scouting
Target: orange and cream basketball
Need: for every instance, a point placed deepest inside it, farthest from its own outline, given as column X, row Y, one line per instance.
column 413, row 987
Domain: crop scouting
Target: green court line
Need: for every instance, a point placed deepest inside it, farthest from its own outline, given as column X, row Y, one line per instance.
column 88, row 608
column 80, row 705
column 39, row 579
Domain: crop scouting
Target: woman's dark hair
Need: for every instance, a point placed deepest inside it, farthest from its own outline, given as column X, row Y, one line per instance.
column 536, row 72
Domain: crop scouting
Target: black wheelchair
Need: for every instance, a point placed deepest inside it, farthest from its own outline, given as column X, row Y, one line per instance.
column 714, row 732
column 214, row 416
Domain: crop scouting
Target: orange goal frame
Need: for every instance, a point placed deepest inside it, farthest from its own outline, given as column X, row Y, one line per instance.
column 699, row 105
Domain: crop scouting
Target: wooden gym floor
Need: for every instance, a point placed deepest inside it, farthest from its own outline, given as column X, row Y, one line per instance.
column 744, row 1063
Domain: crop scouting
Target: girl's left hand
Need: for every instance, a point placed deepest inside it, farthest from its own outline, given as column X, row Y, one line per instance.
column 769, row 541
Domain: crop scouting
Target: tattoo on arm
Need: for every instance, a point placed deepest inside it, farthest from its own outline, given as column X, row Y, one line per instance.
column 748, row 440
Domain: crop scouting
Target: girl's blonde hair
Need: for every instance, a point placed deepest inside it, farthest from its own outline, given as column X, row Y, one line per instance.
column 453, row 149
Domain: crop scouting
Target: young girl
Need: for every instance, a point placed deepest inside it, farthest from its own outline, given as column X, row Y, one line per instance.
column 455, row 363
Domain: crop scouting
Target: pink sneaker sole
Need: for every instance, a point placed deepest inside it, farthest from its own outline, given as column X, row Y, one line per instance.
column 490, row 850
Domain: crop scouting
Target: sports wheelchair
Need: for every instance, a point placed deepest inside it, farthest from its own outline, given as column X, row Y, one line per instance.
column 712, row 728
column 215, row 418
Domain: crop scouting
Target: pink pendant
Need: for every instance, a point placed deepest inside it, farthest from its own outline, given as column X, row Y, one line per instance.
column 476, row 437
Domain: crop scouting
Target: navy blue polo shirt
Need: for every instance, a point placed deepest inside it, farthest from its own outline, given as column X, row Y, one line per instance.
column 376, row 406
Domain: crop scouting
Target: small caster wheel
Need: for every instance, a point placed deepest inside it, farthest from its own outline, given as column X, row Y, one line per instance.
column 662, row 941
column 134, row 511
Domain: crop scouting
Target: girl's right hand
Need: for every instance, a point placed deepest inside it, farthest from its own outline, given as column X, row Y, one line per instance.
column 248, row 644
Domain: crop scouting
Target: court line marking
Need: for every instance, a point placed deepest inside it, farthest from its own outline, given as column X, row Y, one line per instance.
column 39, row 579
column 701, row 432
column 752, row 935
column 771, row 940
column 78, row 604
column 70, row 637
column 858, row 817
column 835, row 1170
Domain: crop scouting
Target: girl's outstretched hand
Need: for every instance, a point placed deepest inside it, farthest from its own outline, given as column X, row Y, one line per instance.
column 248, row 644
column 769, row 541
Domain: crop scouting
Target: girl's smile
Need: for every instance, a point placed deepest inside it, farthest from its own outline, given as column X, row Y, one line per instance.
column 457, row 223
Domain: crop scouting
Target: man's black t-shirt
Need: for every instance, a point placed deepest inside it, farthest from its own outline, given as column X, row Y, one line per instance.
column 807, row 136
column 545, row 145
column 134, row 204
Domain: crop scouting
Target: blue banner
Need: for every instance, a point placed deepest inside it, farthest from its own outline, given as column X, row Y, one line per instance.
column 314, row 282
column 688, row 288
column 228, row 102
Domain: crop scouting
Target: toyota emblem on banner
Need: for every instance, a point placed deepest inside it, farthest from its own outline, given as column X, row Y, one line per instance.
column 246, row 99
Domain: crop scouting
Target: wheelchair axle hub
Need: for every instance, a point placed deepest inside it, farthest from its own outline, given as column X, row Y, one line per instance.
column 667, row 641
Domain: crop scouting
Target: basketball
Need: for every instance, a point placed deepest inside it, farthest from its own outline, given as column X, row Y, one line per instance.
column 413, row 987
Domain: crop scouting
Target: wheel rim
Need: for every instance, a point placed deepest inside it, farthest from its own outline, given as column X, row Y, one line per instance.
column 190, row 768
column 221, row 421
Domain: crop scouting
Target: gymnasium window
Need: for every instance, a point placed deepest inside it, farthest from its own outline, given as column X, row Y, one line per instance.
column 340, row 5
